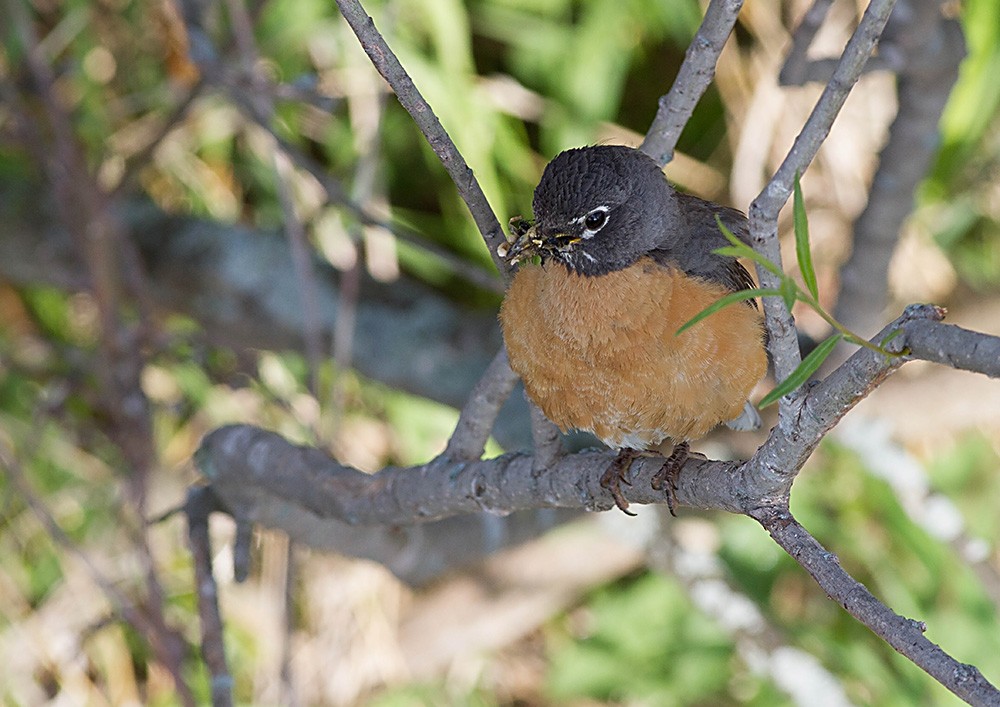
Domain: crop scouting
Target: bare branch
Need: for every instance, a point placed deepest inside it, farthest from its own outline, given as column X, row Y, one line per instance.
column 795, row 70
column 794, row 438
column 546, row 440
column 954, row 346
column 409, row 97
column 764, row 209
column 930, row 48
column 905, row 635
column 243, row 95
column 475, row 422
column 201, row 503
column 696, row 73
column 238, row 457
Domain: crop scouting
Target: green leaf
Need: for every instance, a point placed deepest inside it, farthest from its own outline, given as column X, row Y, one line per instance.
column 889, row 337
column 801, row 374
column 789, row 291
column 802, row 241
column 730, row 236
column 725, row 302
column 739, row 249
column 745, row 251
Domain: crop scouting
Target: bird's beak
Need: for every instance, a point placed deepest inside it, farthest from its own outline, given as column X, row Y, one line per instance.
column 528, row 242
column 524, row 245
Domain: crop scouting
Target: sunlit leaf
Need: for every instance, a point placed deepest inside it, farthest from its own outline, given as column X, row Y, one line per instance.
column 739, row 249
column 789, row 292
column 725, row 302
column 802, row 241
column 801, row 374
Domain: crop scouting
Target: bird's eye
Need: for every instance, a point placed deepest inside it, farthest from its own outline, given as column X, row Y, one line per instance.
column 595, row 220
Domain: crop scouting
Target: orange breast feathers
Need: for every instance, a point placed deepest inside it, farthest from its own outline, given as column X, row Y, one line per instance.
column 601, row 353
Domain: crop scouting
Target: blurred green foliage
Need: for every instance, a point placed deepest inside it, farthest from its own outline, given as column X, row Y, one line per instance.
column 960, row 192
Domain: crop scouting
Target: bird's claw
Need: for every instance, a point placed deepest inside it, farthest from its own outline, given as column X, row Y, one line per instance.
column 666, row 478
column 616, row 474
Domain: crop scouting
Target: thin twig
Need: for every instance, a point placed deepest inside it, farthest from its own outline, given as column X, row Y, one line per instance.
column 794, row 72
column 138, row 160
column 764, row 210
column 758, row 641
column 696, row 73
column 312, row 327
column 546, row 440
column 337, row 194
column 905, row 635
column 475, row 423
column 201, row 503
column 284, row 173
column 777, row 462
column 409, row 97
column 98, row 236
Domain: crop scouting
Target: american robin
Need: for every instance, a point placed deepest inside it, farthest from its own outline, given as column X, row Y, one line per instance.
column 592, row 331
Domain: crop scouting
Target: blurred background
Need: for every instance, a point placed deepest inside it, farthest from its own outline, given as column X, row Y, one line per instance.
column 215, row 212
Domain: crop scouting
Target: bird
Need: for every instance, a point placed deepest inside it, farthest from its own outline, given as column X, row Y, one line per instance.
column 614, row 263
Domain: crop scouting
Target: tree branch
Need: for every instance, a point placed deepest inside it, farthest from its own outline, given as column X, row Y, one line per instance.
column 696, row 73
column 905, row 635
column 409, row 97
column 764, row 210
column 237, row 457
column 475, row 422
column 202, row 502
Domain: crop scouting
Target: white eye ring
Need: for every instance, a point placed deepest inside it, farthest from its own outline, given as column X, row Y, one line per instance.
column 594, row 220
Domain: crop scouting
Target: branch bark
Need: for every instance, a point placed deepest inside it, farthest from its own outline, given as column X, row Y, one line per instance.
column 696, row 73
column 905, row 635
column 265, row 479
column 927, row 49
column 241, row 457
column 409, row 97
column 783, row 342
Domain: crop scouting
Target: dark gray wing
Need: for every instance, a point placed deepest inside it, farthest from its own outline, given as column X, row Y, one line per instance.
column 694, row 254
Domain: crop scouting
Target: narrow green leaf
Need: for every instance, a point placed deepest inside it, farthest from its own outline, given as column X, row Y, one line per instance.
column 801, row 374
column 745, row 251
column 789, row 292
column 889, row 337
column 730, row 236
column 732, row 251
column 725, row 302
column 739, row 249
column 802, row 241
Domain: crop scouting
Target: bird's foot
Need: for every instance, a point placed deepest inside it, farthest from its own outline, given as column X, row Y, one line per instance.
column 617, row 473
column 666, row 478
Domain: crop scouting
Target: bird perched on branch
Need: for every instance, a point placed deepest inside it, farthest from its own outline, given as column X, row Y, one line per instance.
column 625, row 261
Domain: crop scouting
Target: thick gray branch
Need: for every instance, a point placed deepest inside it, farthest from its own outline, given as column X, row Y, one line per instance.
column 241, row 460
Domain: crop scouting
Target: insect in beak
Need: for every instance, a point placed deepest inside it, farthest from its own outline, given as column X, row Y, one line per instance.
column 528, row 242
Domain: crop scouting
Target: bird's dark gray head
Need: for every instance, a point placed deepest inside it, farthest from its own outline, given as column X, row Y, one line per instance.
column 600, row 209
